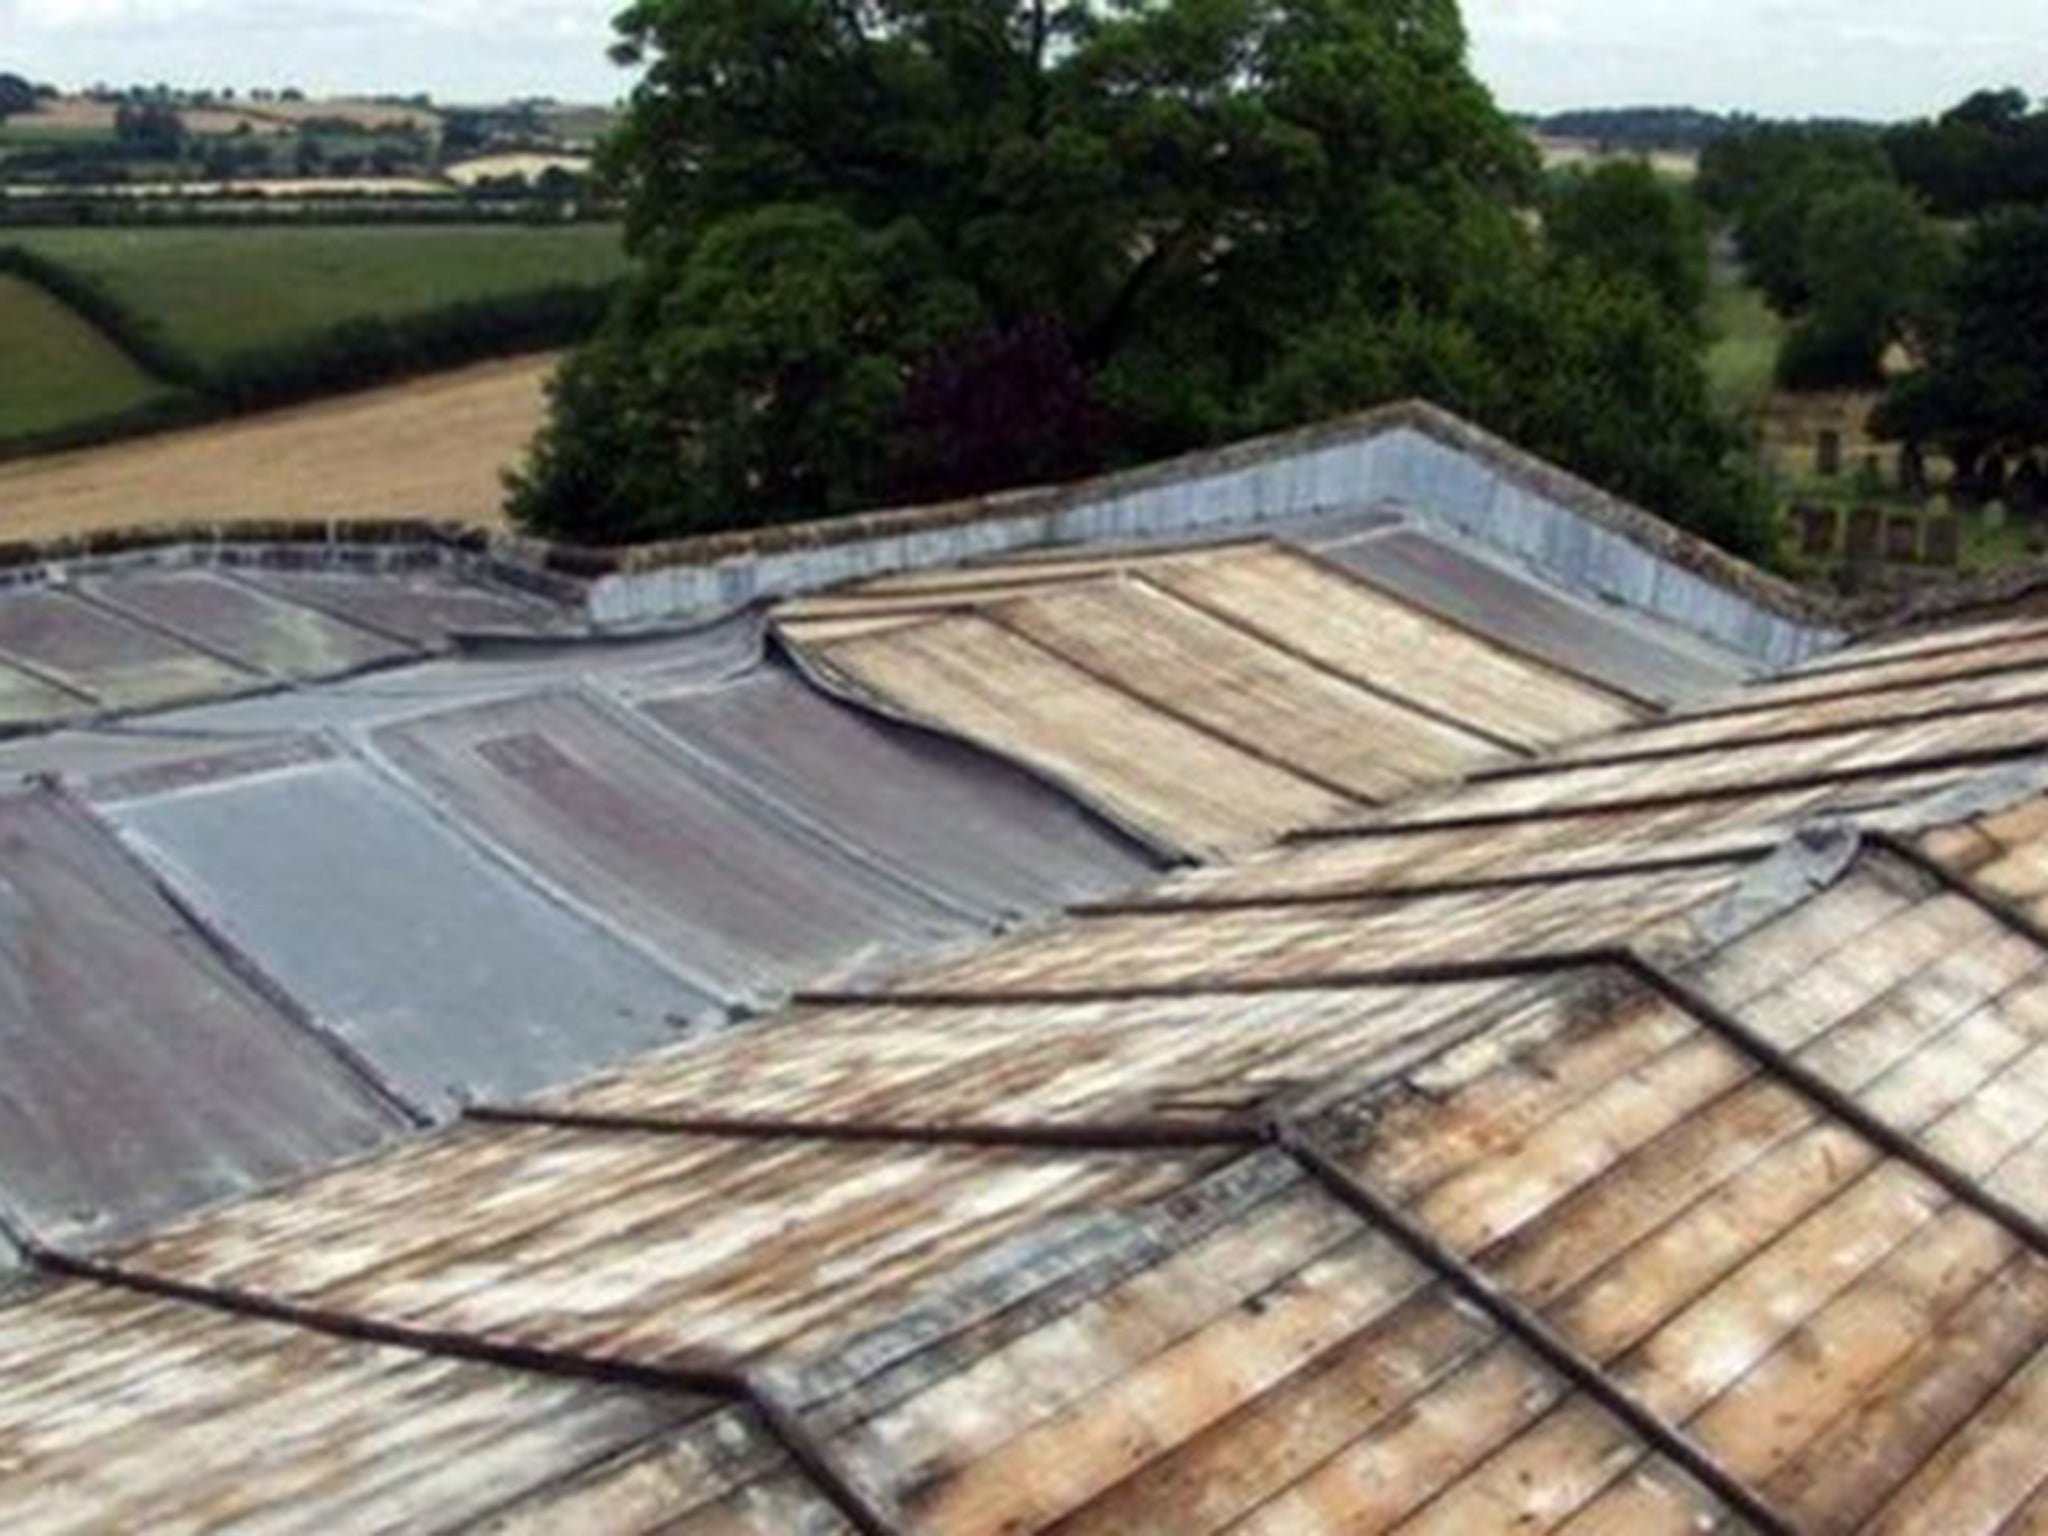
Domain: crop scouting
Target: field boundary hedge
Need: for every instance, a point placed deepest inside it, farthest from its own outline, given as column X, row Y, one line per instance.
column 356, row 354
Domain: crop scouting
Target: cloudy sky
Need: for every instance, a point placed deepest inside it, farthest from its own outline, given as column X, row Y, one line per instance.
column 1859, row 57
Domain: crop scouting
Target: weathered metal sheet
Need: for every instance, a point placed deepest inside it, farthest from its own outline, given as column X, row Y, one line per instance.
column 424, row 607
column 2004, row 854
column 1738, row 1259
column 969, row 827
column 661, row 1249
column 83, row 754
column 140, row 1075
column 1292, row 1371
column 625, row 826
column 1073, row 1063
column 1303, row 712
column 1920, row 1002
column 1622, row 650
column 657, row 662
column 263, row 633
column 1299, row 945
column 1182, row 788
column 720, row 1477
column 123, row 1413
column 1360, row 631
column 29, row 701
column 453, row 977
column 117, row 663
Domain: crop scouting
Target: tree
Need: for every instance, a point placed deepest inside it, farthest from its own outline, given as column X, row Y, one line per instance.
column 17, row 97
column 1147, row 227
column 155, row 131
column 1875, row 268
column 1621, row 219
column 1990, row 151
column 1985, row 389
column 1766, row 182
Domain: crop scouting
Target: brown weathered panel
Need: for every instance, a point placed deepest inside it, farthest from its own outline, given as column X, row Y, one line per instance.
column 123, row 1413
column 1184, row 789
column 657, row 1248
column 1366, row 632
column 1247, row 690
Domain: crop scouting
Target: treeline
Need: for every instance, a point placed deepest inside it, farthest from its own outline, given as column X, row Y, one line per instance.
column 353, row 355
column 1642, row 129
column 1989, row 152
column 489, row 204
column 1924, row 246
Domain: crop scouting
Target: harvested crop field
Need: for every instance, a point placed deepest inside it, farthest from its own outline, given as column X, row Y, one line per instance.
column 434, row 447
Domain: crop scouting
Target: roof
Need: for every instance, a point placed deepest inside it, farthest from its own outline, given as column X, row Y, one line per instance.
column 1630, row 1120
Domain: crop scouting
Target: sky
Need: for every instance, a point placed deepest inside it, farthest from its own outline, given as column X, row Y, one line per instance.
column 1864, row 58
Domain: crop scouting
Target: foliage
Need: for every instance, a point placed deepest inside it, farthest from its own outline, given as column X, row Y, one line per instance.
column 1987, row 152
column 1875, row 268
column 932, row 249
column 1985, row 389
column 17, row 96
column 1643, row 128
column 1622, row 219
column 1766, row 182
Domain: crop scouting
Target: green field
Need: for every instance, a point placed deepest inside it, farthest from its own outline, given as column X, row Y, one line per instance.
column 216, row 294
column 1744, row 333
column 59, row 369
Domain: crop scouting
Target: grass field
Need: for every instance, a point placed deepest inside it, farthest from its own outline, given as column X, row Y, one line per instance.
column 216, row 293
column 1742, row 353
column 433, row 447
column 58, row 369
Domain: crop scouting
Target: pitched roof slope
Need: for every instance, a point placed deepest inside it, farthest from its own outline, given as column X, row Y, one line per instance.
column 1652, row 1142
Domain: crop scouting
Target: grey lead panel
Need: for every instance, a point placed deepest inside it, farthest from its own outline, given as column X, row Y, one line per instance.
column 263, row 633
column 964, row 823
column 138, row 1075
column 118, row 663
column 623, row 826
column 1624, row 653
column 425, row 607
column 440, row 966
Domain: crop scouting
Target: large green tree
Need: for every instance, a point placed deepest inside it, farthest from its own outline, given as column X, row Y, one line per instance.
column 1876, row 269
column 1985, row 389
column 1622, row 218
column 930, row 246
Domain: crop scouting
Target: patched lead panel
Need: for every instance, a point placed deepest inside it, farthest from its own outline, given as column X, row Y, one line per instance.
column 139, row 1076
column 605, row 812
column 454, row 977
column 963, row 823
